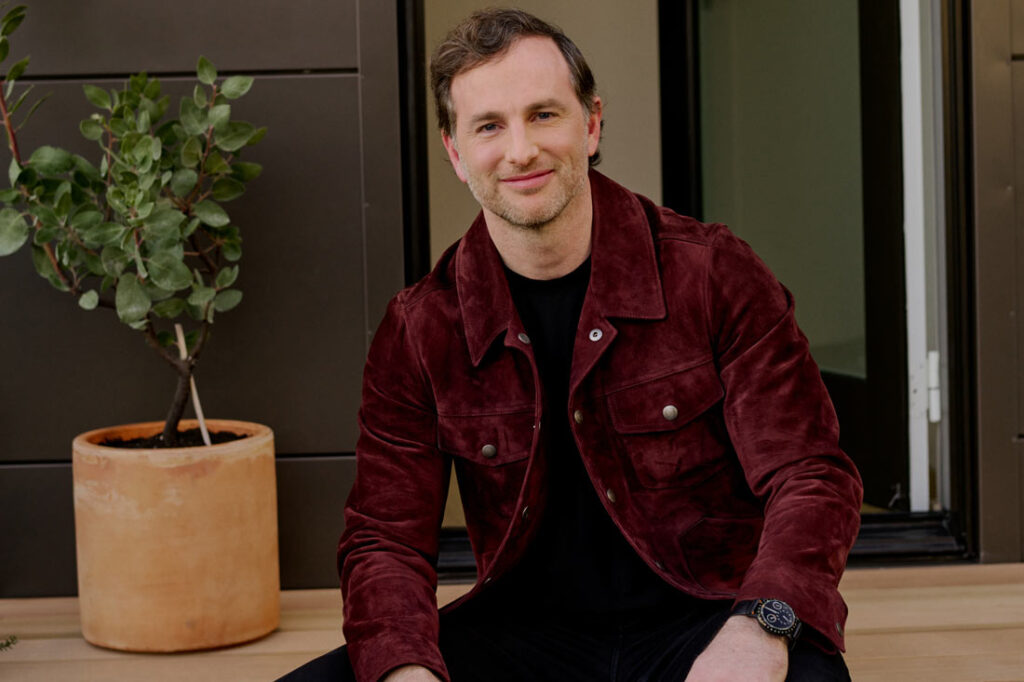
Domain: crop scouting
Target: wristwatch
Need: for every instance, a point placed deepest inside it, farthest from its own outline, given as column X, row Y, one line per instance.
column 773, row 615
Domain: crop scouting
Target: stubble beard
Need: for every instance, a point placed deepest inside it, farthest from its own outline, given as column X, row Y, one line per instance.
column 569, row 183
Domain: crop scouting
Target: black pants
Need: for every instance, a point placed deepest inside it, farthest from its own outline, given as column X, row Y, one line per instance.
column 485, row 645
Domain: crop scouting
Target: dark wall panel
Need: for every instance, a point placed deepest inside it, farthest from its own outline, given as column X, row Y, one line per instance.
column 311, row 493
column 69, row 37
column 37, row 545
column 323, row 252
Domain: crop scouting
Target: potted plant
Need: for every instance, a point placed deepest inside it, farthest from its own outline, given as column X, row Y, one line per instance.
column 176, row 540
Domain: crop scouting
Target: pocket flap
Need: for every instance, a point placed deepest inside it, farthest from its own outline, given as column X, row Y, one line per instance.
column 492, row 440
column 666, row 403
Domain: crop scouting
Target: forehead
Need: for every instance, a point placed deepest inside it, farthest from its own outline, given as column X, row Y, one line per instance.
column 532, row 69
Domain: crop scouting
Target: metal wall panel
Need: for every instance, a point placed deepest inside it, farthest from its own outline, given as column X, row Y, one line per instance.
column 323, row 252
column 999, row 465
column 72, row 37
column 37, row 546
column 1017, row 26
column 311, row 493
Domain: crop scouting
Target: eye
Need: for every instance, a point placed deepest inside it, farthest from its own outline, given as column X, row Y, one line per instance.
column 545, row 115
column 487, row 128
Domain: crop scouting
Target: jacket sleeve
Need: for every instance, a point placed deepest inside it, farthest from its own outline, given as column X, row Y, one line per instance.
column 785, row 433
column 387, row 555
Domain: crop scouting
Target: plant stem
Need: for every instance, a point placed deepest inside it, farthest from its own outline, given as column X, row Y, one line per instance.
column 12, row 141
column 181, row 393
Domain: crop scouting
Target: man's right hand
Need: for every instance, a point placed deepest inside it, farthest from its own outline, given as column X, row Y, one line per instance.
column 411, row 673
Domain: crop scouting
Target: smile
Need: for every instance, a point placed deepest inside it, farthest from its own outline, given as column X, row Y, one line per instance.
column 528, row 180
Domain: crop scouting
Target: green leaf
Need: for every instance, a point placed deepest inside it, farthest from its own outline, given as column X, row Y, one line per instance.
column 9, row 196
column 89, row 300
column 191, row 152
column 226, row 300
column 5, row 48
column 51, row 160
column 86, row 220
column 114, row 260
column 257, row 136
column 38, row 103
column 227, row 189
column 205, row 71
column 13, row 231
column 107, row 234
column 11, row 22
column 232, row 250
column 219, row 116
column 45, row 268
column 13, row 171
column 190, row 228
column 164, row 224
column 98, row 96
column 211, row 214
column 142, row 124
column 246, row 171
column 201, row 295
column 236, row 86
column 45, row 214
column 21, row 99
column 90, row 129
column 227, row 277
column 168, row 272
column 236, row 134
column 131, row 300
column 172, row 307
column 192, row 117
column 215, row 164
column 183, row 181
column 199, row 96
column 165, row 338
column 14, row 73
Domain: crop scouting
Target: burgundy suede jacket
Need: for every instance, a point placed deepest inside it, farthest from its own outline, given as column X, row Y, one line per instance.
column 697, row 409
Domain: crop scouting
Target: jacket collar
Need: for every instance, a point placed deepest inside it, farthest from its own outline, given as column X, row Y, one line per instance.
column 624, row 280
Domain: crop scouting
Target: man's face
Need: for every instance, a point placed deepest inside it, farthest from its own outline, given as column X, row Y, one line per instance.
column 522, row 138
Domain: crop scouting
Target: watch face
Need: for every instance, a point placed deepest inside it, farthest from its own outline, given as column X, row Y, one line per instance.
column 776, row 616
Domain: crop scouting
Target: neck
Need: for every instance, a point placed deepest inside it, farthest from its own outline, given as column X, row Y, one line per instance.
column 546, row 251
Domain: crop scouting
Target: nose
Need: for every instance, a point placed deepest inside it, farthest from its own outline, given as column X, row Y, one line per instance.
column 521, row 149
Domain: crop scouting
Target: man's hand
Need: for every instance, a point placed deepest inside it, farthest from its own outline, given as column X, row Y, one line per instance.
column 742, row 651
column 411, row 673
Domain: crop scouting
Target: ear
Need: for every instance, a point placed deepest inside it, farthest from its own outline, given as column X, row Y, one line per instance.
column 594, row 127
column 453, row 155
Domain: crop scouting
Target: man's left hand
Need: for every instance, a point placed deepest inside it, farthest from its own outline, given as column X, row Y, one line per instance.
column 742, row 651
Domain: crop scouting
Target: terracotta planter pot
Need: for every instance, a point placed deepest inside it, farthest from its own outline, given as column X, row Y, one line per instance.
column 177, row 548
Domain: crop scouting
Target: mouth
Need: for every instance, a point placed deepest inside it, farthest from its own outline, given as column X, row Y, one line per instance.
column 528, row 180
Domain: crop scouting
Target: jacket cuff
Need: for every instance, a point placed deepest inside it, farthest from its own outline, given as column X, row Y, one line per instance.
column 374, row 658
column 823, row 613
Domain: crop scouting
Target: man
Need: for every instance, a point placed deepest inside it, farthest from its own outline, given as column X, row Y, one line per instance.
column 646, row 454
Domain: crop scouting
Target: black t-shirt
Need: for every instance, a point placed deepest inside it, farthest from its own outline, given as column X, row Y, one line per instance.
column 578, row 562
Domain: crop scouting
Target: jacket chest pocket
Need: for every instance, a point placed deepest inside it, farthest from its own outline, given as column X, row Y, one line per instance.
column 490, row 453
column 488, row 440
column 663, row 426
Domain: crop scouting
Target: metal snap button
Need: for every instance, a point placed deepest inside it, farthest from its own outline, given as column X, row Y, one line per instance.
column 610, row 494
column 488, row 451
column 596, row 334
column 523, row 337
column 577, row 416
column 670, row 412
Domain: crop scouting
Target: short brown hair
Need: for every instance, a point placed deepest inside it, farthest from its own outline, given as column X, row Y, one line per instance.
column 488, row 34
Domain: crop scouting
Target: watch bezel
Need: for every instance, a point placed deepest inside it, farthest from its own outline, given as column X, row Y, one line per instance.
column 777, row 604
